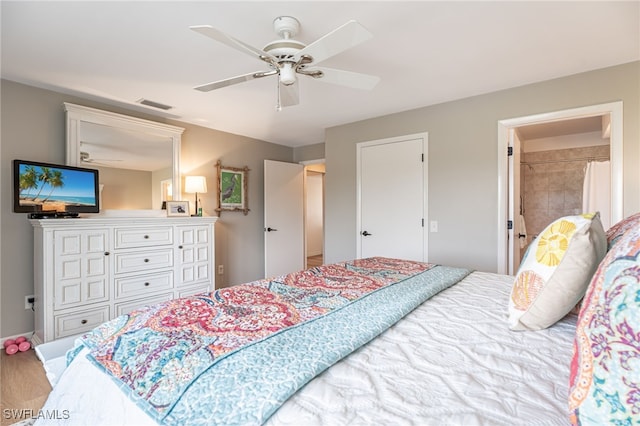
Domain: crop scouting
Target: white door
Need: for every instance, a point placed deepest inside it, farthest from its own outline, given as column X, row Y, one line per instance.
column 283, row 218
column 392, row 182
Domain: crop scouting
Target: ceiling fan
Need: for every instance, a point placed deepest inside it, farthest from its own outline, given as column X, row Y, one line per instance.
column 85, row 157
column 287, row 57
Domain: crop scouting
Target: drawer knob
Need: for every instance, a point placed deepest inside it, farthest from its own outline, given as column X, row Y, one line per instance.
column 180, row 247
column 106, row 253
column 146, row 261
column 146, row 284
column 146, row 237
column 83, row 322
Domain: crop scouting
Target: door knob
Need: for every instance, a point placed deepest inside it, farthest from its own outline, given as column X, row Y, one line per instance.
column 365, row 234
column 269, row 229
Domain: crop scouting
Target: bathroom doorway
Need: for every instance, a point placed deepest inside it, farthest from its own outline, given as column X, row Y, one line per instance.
column 554, row 158
column 545, row 129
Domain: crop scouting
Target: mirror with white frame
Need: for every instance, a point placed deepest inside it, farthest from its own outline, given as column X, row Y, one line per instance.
column 138, row 160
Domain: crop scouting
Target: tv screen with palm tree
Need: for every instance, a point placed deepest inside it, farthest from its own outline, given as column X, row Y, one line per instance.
column 43, row 187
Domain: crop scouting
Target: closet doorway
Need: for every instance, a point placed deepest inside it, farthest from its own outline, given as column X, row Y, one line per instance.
column 543, row 177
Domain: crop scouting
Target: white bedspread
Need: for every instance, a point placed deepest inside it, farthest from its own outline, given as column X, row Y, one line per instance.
column 451, row 361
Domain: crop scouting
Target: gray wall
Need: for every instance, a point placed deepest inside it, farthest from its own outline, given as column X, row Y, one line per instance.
column 33, row 128
column 308, row 153
column 463, row 160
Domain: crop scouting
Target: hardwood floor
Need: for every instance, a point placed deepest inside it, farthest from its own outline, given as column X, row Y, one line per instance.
column 314, row 261
column 25, row 387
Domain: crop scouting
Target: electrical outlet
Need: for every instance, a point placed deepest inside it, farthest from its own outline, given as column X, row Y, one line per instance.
column 220, row 269
column 28, row 301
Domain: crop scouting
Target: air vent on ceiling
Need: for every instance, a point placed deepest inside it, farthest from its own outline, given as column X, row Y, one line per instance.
column 153, row 104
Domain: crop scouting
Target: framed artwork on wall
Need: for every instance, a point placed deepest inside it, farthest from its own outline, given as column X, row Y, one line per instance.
column 232, row 188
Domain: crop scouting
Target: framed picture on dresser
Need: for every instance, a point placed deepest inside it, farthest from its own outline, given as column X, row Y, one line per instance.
column 177, row 208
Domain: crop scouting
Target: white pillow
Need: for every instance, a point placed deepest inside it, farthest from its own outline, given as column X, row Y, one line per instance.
column 556, row 271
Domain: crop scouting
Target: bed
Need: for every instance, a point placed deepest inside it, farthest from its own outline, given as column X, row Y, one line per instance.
column 447, row 355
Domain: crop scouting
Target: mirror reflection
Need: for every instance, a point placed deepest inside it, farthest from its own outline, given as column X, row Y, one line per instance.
column 137, row 159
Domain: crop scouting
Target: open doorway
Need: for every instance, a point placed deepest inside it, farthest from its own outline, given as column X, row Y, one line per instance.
column 556, row 160
column 509, row 169
column 314, row 214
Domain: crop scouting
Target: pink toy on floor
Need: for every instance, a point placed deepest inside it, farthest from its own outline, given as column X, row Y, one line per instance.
column 11, row 349
column 20, row 344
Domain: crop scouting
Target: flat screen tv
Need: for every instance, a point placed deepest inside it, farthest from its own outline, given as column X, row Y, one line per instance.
column 53, row 188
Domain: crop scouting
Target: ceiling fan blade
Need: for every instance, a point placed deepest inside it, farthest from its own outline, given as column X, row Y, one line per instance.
column 342, row 38
column 85, row 157
column 209, row 31
column 288, row 95
column 233, row 80
column 349, row 79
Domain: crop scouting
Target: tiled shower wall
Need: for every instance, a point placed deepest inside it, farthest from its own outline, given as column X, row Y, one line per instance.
column 552, row 188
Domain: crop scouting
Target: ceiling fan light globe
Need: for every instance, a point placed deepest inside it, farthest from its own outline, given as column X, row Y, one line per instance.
column 287, row 75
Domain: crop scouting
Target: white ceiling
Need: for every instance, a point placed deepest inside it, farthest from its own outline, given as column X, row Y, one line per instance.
column 424, row 52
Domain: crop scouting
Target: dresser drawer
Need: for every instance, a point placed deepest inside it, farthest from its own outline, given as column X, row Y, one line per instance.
column 79, row 322
column 143, row 260
column 143, row 237
column 143, row 284
column 132, row 305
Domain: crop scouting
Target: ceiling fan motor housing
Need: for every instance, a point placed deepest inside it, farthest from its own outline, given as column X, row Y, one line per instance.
column 286, row 48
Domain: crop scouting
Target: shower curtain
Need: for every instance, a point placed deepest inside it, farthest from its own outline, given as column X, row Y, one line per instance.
column 596, row 190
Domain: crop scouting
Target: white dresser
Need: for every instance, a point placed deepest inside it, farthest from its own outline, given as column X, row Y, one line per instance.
column 90, row 270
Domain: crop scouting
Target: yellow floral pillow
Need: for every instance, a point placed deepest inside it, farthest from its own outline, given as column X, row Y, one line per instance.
column 556, row 271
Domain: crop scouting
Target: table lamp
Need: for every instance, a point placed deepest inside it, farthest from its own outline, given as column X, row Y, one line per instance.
column 195, row 185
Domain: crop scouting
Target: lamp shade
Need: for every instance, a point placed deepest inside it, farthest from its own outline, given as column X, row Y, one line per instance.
column 193, row 184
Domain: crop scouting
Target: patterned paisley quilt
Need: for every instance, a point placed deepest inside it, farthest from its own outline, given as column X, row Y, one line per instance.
column 233, row 356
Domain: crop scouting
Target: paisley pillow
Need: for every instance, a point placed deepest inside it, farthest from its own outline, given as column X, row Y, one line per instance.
column 616, row 231
column 556, row 271
column 605, row 370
